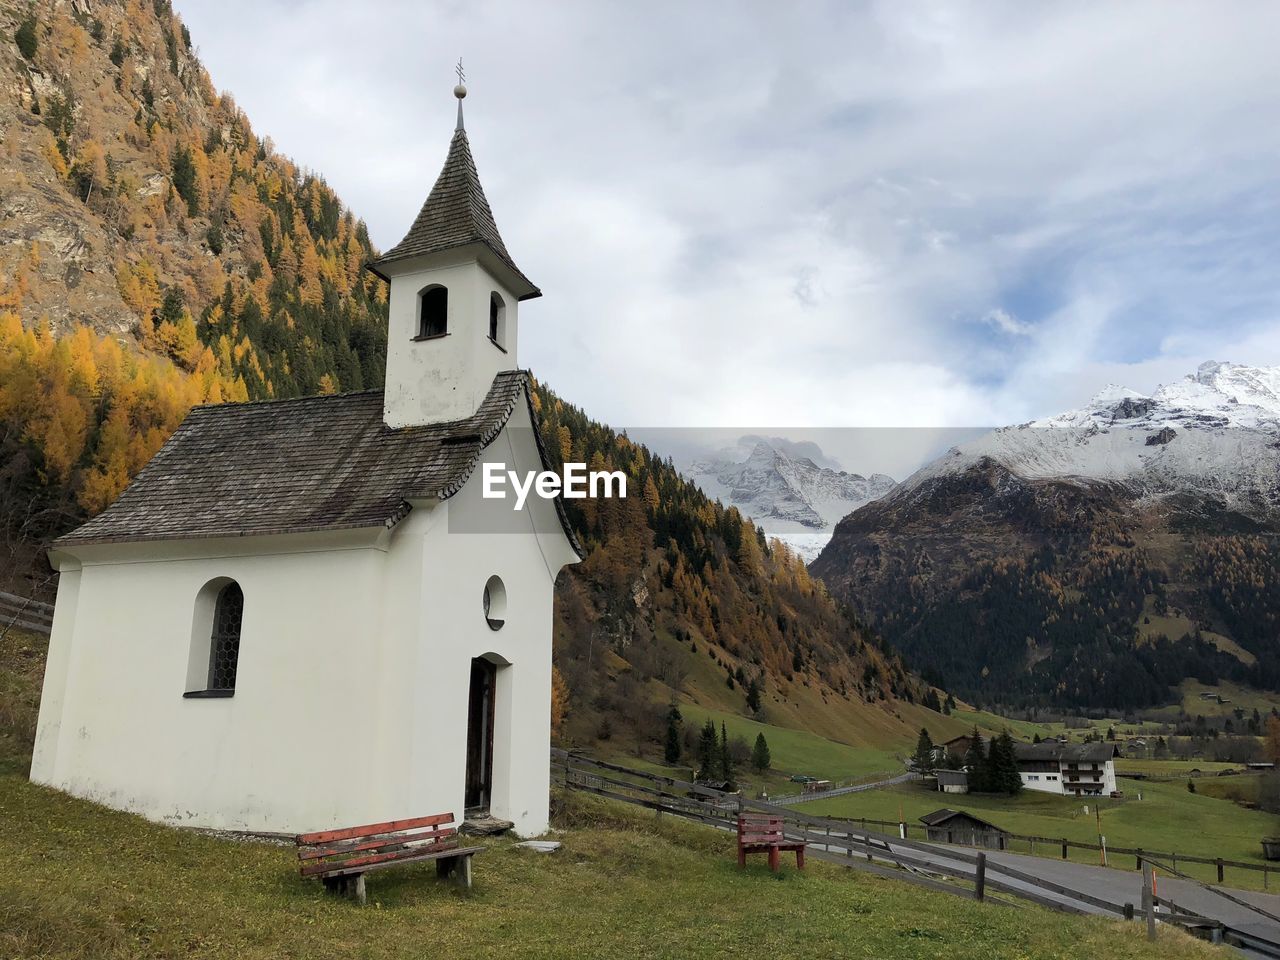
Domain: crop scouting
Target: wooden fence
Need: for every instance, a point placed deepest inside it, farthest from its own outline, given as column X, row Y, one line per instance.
column 1061, row 847
column 854, row 843
column 871, row 781
column 25, row 614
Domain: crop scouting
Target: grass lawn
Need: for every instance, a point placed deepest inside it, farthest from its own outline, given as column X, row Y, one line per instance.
column 1244, row 698
column 85, row 882
column 798, row 751
column 1167, row 819
column 1171, row 768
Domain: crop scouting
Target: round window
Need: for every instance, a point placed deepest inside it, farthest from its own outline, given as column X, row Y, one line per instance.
column 495, row 603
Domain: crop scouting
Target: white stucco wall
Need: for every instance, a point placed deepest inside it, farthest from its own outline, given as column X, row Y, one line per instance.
column 351, row 694
column 444, row 378
column 1056, row 781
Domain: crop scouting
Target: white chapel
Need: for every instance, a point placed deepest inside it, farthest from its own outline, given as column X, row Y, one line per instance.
column 303, row 614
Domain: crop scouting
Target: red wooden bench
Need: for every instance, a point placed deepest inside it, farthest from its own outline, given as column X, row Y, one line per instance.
column 341, row 858
column 763, row 833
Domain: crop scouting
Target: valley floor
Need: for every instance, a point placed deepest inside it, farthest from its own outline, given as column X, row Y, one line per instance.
column 1168, row 818
column 82, row 882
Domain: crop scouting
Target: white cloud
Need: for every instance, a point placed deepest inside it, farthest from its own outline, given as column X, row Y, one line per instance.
column 756, row 214
column 1000, row 319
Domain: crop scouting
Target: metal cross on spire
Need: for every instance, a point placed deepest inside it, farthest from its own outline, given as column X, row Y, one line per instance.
column 460, row 90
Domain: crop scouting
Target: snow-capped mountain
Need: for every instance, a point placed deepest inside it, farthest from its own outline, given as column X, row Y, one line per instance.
column 789, row 495
column 1095, row 558
column 1214, row 433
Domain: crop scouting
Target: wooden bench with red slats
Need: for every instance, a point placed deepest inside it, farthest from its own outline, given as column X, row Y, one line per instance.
column 763, row 833
column 341, row 858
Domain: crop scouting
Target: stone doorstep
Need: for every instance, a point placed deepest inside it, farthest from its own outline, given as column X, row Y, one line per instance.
column 485, row 826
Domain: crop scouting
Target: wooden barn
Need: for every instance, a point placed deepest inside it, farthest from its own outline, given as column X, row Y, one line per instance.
column 956, row 826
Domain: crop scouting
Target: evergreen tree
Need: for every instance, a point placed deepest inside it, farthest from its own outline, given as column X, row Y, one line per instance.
column 949, row 705
column 975, row 761
column 760, row 758
column 708, row 752
column 1002, row 765
column 671, row 750
column 25, row 38
column 753, row 695
column 923, row 756
column 184, row 180
column 726, row 759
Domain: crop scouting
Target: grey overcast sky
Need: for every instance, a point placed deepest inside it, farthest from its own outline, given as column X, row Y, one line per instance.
column 837, row 214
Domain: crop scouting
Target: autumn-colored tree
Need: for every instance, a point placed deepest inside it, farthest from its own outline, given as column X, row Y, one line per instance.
column 559, row 702
column 1273, row 739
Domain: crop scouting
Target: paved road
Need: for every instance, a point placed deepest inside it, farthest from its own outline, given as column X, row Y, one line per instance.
column 1115, row 886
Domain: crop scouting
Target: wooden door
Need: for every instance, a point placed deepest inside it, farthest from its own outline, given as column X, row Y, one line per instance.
column 480, row 737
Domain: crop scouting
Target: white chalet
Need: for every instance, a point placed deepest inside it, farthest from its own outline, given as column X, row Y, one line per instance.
column 1076, row 769
column 302, row 614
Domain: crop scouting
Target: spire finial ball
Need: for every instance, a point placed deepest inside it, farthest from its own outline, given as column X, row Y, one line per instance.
column 459, row 91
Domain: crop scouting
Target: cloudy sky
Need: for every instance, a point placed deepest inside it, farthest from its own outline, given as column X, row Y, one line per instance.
column 780, row 215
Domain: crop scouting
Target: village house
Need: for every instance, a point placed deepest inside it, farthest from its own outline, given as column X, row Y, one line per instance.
column 957, row 747
column 1079, row 769
column 303, row 613
column 952, row 781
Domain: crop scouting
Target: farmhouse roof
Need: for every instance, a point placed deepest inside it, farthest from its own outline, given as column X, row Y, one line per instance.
column 945, row 814
column 1052, row 750
column 293, row 466
column 456, row 214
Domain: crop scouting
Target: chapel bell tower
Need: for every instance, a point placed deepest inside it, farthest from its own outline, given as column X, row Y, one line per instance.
column 453, row 300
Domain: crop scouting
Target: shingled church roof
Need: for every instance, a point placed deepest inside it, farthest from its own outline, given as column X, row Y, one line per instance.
column 291, row 466
column 456, row 214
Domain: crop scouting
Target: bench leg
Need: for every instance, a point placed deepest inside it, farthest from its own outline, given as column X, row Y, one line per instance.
column 773, row 859
column 459, row 868
column 800, row 859
column 350, row 886
column 464, row 872
column 742, row 857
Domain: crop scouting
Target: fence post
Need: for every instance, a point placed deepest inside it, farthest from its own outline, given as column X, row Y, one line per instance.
column 980, row 878
column 1128, row 911
column 1064, row 848
column 1148, row 900
column 1219, row 869
column 1137, row 860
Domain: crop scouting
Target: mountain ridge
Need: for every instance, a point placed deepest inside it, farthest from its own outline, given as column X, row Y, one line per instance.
column 784, row 490
column 1039, row 562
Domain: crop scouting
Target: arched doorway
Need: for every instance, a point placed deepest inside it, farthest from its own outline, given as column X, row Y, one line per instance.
column 481, row 715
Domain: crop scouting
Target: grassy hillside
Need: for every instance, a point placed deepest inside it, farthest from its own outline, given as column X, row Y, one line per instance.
column 1167, row 818
column 84, row 882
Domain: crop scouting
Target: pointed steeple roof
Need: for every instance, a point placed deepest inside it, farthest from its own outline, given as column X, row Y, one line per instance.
column 457, row 214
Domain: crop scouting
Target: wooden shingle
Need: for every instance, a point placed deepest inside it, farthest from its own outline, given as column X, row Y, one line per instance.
column 291, row 466
column 456, row 214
